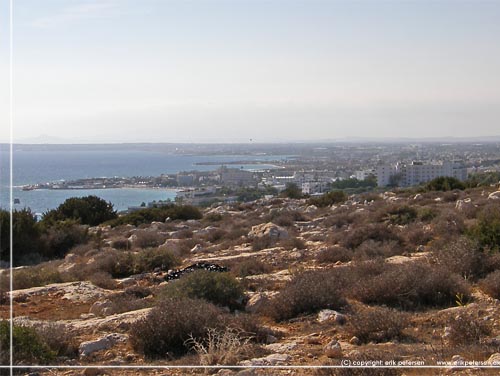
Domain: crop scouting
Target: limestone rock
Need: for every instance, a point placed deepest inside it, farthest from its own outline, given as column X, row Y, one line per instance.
column 281, row 348
column 88, row 347
column 270, row 360
column 328, row 314
column 268, row 230
column 197, row 248
column 333, row 349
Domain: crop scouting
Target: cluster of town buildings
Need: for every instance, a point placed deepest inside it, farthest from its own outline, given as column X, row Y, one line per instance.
column 414, row 173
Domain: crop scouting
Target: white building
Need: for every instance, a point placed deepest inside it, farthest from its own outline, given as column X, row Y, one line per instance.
column 407, row 175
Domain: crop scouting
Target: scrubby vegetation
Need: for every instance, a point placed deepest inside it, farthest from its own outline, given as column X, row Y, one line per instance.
column 377, row 324
column 28, row 346
column 173, row 322
column 159, row 214
column 410, row 273
column 327, row 199
column 444, row 184
column 218, row 288
column 307, row 293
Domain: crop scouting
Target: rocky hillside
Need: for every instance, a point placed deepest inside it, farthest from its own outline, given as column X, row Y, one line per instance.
column 405, row 278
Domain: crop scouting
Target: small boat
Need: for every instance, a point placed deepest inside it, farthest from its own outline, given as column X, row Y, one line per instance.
column 28, row 188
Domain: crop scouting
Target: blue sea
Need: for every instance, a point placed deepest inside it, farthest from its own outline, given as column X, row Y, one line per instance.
column 47, row 165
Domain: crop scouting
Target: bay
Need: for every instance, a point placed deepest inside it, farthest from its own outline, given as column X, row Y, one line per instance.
column 47, row 165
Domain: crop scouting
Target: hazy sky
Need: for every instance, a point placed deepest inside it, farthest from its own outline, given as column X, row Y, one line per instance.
column 180, row 70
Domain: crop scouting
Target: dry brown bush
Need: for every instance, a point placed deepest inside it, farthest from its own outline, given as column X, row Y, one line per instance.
column 334, row 254
column 148, row 239
column 248, row 266
column 377, row 232
column 377, row 324
column 410, row 286
column 371, row 249
column 415, row 235
column 167, row 327
column 462, row 257
column 293, row 242
column 467, row 329
column 121, row 244
column 104, row 280
column 491, row 284
column 307, row 293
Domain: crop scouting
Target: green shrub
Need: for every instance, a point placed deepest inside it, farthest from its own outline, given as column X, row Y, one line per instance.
column 444, row 183
column 401, row 215
column 307, row 293
column 28, row 346
column 218, row 288
column 427, row 214
column 291, row 191
column 487, row 229
column 167, row 327
column 25, row 235
column 89, row 210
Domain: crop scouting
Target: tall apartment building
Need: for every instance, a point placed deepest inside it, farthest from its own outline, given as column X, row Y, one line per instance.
column 407, row 175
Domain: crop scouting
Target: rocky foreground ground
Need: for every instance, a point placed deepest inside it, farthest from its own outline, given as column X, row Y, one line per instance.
column 266, row 245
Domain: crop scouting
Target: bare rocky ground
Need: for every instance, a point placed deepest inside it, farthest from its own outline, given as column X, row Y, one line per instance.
column 265, row 245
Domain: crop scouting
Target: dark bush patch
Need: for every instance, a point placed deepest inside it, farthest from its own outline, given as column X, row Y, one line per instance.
column 400, row 215
column 28, row 346
column 334, row 254
column 184, row 212
column 89, row 210
column 328, row 199
column 487, row 229
column 219, row 288
column 165, row 330
column 122, row 244
column 444, row 183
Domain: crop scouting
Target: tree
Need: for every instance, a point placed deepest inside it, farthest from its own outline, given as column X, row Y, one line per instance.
column 89, row 210
column 25, row 234
column 444, row 183
column 292, row 191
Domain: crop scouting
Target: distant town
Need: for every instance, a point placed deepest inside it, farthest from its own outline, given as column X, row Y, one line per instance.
column 314, row 169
